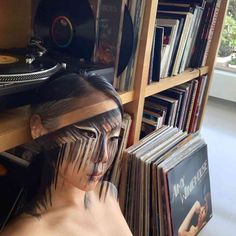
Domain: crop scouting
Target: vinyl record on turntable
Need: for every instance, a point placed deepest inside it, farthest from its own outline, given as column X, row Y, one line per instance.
column 67, row 26
column 14, row 69
column 19, row 79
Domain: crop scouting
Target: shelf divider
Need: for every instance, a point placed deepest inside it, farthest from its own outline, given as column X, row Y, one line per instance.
column 204, row 70
column 127, row 97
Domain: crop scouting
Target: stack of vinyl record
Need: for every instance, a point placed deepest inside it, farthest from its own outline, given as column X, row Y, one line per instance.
column 165, row 184
column 179, row 107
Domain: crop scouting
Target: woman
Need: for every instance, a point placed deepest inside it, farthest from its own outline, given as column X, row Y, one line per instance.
column 203, row 214
column 71, row 198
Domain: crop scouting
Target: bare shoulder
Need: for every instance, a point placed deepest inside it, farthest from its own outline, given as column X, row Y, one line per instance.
column 107, row 190
column 24, row 226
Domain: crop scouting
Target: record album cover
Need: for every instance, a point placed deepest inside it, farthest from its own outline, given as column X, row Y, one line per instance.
column 109, row 16
column 189, row 193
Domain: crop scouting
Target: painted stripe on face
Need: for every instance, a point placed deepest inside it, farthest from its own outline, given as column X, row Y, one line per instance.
column 90, row 146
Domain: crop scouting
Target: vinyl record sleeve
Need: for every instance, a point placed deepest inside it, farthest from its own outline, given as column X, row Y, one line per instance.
column 188, row 187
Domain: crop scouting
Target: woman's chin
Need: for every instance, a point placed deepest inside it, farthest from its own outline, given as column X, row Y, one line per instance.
column 90, row 185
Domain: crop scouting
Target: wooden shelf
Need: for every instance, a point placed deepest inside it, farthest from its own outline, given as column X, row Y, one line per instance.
column 14, row 128
column 173, row 81
column 127, row 97
column 14, row 124
column 204, row 70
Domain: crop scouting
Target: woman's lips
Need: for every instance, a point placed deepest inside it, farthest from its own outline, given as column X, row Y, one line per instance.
column 95, row 176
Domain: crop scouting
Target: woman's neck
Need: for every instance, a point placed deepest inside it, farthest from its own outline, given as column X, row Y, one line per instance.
column 64, row 194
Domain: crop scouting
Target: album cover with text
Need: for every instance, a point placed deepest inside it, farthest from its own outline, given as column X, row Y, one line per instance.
column 189, row 193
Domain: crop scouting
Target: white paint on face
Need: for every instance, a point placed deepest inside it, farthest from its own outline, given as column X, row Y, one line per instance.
column 89, row 150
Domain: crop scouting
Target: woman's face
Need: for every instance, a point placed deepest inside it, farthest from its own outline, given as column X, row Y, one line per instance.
column 92, row 153
column 202, row 215
column 83, row 151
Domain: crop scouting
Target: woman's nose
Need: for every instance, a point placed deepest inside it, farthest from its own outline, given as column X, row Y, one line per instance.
column 105, row 156
column 102, row 155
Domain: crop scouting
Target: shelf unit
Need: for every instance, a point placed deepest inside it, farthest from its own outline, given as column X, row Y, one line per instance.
column 14, row 124
column 142, row 90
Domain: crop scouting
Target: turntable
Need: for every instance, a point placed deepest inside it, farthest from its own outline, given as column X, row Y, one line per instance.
column 20, row 69
column 21, row 73
column 67, row 36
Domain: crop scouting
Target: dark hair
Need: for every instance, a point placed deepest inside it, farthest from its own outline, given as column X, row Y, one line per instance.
column 53, row 99
column 57, row 96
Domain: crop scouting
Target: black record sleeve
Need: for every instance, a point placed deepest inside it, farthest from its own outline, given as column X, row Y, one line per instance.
column 189, row 192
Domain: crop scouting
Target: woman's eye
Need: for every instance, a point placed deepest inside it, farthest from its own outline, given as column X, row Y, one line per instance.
column 115, row 138
column 89, row 134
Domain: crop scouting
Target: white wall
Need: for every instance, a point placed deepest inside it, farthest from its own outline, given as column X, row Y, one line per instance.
column 224, row 85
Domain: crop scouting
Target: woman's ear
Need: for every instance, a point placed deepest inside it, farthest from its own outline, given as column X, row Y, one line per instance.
column 36, row 127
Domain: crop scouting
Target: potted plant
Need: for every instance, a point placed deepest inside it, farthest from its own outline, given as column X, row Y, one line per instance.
column 228, row 43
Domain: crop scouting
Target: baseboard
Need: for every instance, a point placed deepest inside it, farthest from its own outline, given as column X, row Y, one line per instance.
column 224, row 85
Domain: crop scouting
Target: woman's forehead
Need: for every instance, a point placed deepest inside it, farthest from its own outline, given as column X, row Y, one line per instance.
column 108, row 121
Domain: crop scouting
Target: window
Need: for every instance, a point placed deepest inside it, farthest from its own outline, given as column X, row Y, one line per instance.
column 226, row 59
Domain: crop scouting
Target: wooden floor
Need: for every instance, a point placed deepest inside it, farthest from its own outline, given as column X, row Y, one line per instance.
column 219, row 131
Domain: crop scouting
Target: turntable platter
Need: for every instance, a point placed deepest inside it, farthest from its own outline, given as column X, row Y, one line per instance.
column 14, row 69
